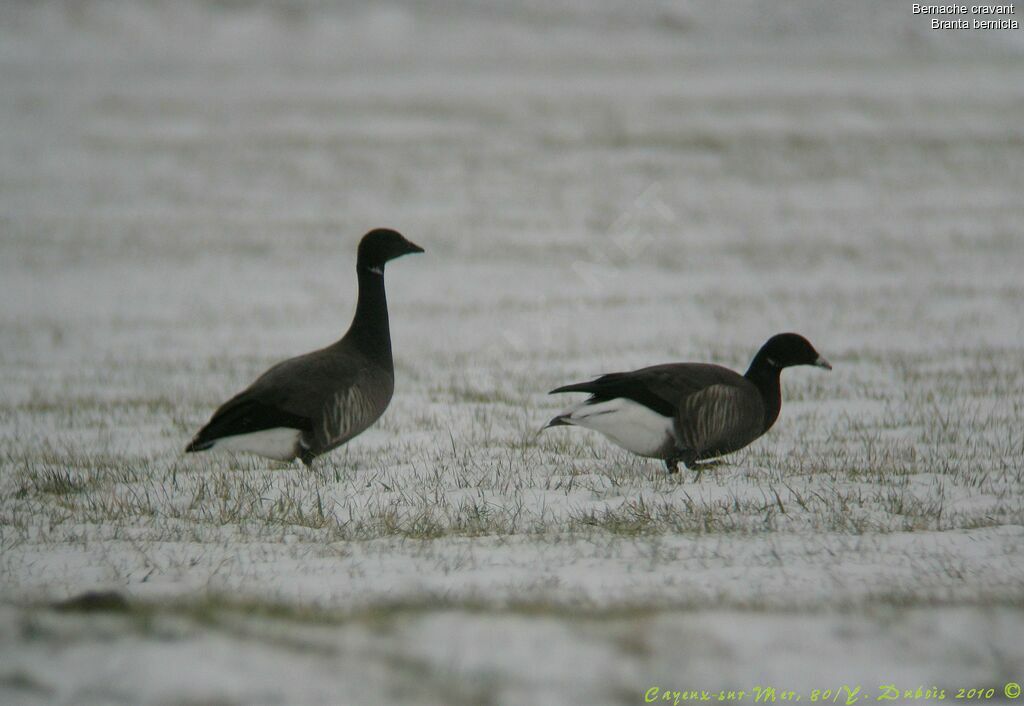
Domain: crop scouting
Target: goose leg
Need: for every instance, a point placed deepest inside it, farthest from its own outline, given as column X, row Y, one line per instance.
column 688, row 459
column 303, row 451
column 703, row 466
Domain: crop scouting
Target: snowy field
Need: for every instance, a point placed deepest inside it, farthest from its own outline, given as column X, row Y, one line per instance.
column 182, row 186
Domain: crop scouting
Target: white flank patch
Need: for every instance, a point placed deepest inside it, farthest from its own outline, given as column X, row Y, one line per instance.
column 629, row 424
column 277, row 443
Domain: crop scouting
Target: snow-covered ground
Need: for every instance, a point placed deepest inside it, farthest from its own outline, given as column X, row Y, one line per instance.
column 182, row 186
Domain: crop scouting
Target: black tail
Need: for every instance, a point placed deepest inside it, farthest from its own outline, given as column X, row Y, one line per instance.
column 577, row 387
column 558, row 421
column 627, row 385
column 198, row 445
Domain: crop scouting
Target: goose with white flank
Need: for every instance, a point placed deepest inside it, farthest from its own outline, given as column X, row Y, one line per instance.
column 305, row 406
column 689, row 412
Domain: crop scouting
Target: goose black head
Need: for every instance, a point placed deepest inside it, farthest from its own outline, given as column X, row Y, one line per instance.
column 380, row 245
column 784, row 350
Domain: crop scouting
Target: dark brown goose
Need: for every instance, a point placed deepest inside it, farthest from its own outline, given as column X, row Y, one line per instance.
column 689, row 412
column 308, row 405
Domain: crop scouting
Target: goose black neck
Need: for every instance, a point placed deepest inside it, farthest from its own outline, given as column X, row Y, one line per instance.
column 765, row 376
column 369, row 330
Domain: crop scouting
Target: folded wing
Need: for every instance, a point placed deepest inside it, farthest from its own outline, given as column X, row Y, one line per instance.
column 291, row 395
column 661, row 388
column 242, row 415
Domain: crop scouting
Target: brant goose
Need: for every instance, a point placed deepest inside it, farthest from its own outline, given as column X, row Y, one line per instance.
column 306, row 406
column 689, row 412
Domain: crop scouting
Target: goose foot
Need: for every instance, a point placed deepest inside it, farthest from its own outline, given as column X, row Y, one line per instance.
column 699, row 468
column 687, row 459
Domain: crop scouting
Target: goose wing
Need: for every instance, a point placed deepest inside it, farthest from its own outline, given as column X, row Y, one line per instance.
column 241, row 415
column 291, row 394
column 661, row 388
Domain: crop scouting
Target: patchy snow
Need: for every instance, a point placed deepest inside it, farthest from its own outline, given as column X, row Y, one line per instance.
column 459, row 657
column 181, row 190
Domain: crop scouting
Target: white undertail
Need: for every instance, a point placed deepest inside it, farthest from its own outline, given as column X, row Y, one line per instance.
column 626, row 423
column 278, row 443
